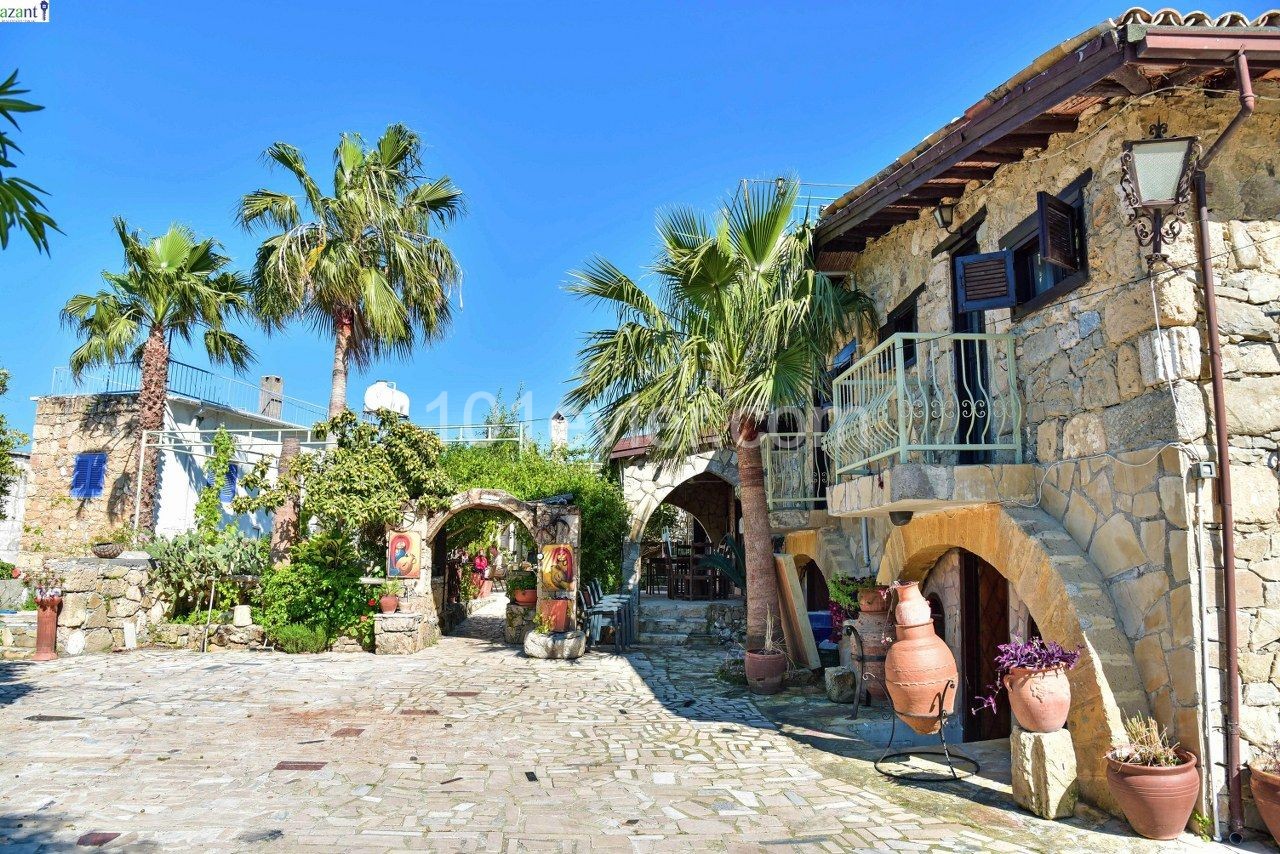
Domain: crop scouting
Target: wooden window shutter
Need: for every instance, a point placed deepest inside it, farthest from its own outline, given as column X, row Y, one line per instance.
column 88, row 476
column 1057, row 221
column 985, row 281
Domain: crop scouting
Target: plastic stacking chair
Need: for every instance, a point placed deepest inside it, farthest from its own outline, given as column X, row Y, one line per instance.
column 599, row 615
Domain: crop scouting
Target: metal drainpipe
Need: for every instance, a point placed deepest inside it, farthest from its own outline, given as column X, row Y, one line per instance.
column 1230, row 636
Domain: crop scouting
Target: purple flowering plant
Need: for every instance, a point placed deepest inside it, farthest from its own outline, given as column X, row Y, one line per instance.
column 1035, row 654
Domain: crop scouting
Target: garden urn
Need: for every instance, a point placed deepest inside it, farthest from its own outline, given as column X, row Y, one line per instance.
column 765, row 669
column 1040, row 697
column 920, row 675
column 1156, row 800
column 1266, row 794
column 913, row 609
column 46, row 628
column 389, row 603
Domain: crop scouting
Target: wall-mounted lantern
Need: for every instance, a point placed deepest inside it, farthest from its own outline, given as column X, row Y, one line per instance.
column 1157, row 187
column 944, row 215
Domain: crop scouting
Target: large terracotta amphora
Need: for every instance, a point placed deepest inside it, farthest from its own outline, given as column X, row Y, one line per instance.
column 920, row 673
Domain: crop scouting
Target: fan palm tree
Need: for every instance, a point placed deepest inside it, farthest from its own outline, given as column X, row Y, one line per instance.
column 174, row 284
column 20, row 203
column 362, row 264
column 743, row 326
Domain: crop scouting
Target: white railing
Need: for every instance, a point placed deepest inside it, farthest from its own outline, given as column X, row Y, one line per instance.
column 794, row 474
column 481, row 434
column 931, row 396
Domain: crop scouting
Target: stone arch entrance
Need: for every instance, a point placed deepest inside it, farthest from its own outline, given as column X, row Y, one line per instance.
column 645, row 486
column 1063, row 591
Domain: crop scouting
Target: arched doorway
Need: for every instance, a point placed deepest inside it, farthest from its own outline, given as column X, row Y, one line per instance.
column 1066, row 598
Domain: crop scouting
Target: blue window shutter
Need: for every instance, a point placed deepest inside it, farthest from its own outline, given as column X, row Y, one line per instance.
column 229, row 485
column 89, row 475
column 985, row 281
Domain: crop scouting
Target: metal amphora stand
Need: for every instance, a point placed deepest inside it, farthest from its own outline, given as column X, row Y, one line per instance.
column 952, row 759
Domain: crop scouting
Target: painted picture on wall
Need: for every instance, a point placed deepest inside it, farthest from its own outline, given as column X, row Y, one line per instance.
column 404, row 554
column 557, row 567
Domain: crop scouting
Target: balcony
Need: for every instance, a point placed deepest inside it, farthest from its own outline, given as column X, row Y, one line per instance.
column 922, row 422
column 196, row 384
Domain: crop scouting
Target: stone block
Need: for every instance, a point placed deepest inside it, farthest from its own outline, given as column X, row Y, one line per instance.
column 1170, row 354
column 556, row 645
column 241, row 616
column 1043, row 768
column 841, row 684
column 1255, row 491
column 1083, row 435
column 396, row 643
column 1251, row 409
column 74, row 609
column 1115, row 546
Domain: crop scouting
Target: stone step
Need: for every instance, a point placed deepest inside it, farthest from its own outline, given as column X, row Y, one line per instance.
column 662, row 638
column 664, row 624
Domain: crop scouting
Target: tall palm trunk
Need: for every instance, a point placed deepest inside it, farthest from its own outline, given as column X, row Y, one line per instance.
column 151, row 403
column 343, row 326
column 762, row 580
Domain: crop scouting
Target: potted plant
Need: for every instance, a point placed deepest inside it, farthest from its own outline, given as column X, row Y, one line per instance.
column 389, row 596
column 766, row 666
column 111, row 542
column 1154, row 780
column 1264, row 780
column 1035, row 674
column 523, row 587
column 46, row 586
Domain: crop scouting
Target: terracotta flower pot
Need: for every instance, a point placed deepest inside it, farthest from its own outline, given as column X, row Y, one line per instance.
column 1157, row 802
column 913, row 609
column 1266, row 794
column 389, row 603
column 873, row 600
column 765, row 671
column 527, row 598
column 917, row 670
column 47, row 628
column 1040, row 698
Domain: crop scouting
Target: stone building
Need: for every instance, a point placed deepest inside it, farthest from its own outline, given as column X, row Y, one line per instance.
column 85, row 451
column 1027, row 432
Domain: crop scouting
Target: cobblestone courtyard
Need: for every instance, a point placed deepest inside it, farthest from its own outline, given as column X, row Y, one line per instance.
column 466, row 747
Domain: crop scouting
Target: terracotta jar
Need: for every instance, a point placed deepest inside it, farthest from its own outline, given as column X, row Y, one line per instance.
column 765, row 670
column 527, row 598
column 1040, row 698
column 873, row 600
column 913, row 609
column 874, row 629
column 389, row 603
column 920, row 674
column 47, row 628
column 1156, row 801
column 1266, row 794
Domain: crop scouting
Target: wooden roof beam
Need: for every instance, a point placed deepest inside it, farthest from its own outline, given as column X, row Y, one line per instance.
column 970, row 173
column 1018, row 142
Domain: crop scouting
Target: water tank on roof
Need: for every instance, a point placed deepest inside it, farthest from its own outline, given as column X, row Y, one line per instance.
column 385, row 395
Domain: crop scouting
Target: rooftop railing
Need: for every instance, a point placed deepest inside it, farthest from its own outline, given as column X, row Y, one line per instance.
column 947, row 398
column 195, row 383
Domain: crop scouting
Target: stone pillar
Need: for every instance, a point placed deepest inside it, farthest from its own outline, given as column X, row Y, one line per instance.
column 402, row 634
column 1043, row 766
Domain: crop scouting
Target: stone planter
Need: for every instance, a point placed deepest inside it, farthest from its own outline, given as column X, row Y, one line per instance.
column 107, row 550
column 1266, row 794
column 1040, row 699
column 765, row 671
column 389, row 603
column 1156, row 801
column 555, row 645
column 920, row 674
column 47, row 628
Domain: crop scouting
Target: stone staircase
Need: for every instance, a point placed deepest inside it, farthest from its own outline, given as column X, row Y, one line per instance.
column 835, row 556
column 672, row 623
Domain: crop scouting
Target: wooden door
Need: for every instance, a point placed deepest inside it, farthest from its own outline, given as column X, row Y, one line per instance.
column 985, row 625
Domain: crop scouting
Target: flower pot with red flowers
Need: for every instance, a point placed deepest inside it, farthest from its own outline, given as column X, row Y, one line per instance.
column 1264, row 781
column 766, row 666
column 389, row 597
column 523, row 587
column 1155, row 781
column 1034, row 673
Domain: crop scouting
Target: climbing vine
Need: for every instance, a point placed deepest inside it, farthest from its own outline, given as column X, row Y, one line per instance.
column 209, row 503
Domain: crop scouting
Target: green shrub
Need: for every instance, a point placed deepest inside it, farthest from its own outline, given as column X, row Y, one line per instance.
column 320, row 588
column 294, row 638
column 184, row 565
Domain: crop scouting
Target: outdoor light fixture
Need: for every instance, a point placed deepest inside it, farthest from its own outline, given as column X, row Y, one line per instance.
column 900, row 517
column 1157, row 186
column 944, row 214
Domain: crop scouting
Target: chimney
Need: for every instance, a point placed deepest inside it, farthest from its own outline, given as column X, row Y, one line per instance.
column 271, row 396
column 559, row 431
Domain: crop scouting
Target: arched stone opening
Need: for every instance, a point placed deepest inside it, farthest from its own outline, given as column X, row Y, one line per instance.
column 1064, row 593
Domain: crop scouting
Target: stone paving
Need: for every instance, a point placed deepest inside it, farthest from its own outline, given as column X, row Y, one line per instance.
column 468, row 746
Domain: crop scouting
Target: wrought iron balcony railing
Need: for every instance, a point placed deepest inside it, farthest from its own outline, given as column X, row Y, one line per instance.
column 795, row 470
column 947, row 398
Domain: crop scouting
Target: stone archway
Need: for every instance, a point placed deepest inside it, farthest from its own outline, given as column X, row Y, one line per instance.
column 1065, row 594
column 645, row 485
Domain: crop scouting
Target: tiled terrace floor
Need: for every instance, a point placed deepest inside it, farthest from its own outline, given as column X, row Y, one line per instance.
column 468, row 746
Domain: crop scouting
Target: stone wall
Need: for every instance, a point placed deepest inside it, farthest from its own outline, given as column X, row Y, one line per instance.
column 1116, row 409
column 57, row 525
column 13, row 510
column 106, row 604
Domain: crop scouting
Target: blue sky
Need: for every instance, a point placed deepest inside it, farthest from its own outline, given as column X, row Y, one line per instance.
column 567, row 125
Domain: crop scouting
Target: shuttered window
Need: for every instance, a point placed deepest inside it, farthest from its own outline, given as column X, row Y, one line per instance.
column 1058, row 232
column 228, row 491
column 1050, row 258
column 89, row 475
column 985, row 281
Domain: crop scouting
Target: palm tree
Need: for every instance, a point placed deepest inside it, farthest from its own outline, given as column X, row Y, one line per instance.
column 20, row 203
column 742, row 328
column 172, row 285
column 364, row 265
